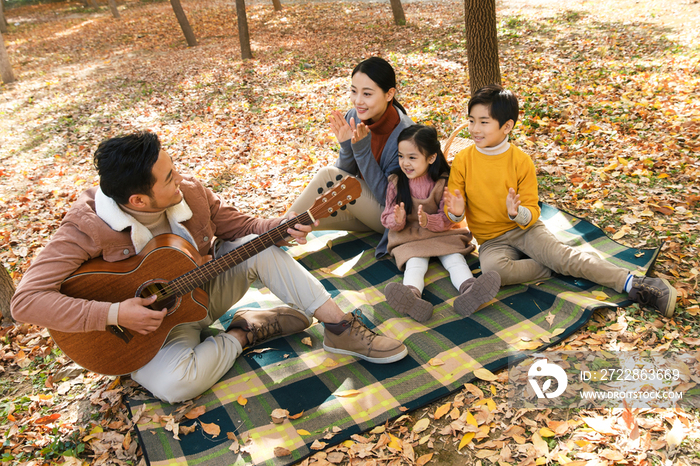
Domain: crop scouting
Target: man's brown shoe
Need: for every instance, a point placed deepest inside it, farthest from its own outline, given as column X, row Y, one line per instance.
column 265, row 324
column 355, row 339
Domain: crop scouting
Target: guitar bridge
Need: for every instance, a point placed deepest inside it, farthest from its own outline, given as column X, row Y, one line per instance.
column 121, row 333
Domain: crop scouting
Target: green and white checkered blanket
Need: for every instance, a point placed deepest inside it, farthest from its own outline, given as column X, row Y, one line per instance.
column 291, row 375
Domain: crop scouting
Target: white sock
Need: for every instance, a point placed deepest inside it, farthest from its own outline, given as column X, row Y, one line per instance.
column 628, row 283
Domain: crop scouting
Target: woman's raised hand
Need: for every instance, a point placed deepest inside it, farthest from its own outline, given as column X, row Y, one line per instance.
column 340, row 127
column 422, row 217
column 359, row 132
column 399, row 214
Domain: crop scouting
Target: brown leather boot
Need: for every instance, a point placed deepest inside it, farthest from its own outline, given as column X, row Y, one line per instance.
column 476, row 291
column 407, row 300
column 265, row 324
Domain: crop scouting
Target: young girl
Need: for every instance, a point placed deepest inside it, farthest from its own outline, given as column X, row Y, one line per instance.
column 419, row 229
column 367, row 135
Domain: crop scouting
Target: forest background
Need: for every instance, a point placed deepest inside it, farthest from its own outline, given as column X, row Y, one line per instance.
column 610, row 114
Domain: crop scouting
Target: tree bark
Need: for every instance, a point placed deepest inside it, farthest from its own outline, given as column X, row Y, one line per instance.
column 92, row 3
column 482, row 43
column 243, row 35
column 113, row 9
column 7, row 289
column 277, row 4
column 3, row 20
column 5, row 66
column 397, row 9
column 184, row 23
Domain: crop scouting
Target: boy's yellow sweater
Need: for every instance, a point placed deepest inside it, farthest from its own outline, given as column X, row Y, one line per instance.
column 484, row 181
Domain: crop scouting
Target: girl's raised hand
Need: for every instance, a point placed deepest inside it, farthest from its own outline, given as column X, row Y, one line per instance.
column 340, row 127
column 399, row 213
column 422, row 217
column 455, row 203
column 512, row 202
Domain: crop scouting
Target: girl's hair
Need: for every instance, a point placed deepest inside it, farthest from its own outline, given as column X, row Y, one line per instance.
column 426, row 140
column 381, row 72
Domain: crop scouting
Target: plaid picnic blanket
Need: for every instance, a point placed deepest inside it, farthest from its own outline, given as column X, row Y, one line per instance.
column 291, row 375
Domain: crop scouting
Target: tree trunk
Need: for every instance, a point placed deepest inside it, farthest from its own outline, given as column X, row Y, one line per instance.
column 397, row 9
column 92, row 3
column 277, row 4
column 482, row 43
column 113, row 8
column 184, row 24
column 243, row 35
column 5, row 66
column 3, row 20
column 7, row 289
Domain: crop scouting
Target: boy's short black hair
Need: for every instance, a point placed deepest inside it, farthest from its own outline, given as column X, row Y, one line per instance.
column 502, row 103
column 125, row 165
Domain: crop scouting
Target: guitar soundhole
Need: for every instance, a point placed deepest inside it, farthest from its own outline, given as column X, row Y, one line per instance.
column 166, row 298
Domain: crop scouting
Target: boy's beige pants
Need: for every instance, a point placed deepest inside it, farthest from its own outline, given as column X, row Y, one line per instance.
column 533, row 254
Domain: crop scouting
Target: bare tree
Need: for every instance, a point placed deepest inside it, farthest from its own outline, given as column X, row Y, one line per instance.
column 113, row 8
column 397, row 9
column 5, row 66
column 243, row 34
column 184, row 24
column 482, row 43
column 277, row 4
column 7, row 289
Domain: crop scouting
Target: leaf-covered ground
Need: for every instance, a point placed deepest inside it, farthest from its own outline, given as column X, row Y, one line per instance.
column 611, row 115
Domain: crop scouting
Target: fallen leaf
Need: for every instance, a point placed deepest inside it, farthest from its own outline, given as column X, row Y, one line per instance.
column 328, row 362
column 194, row 413
column 676, row 435
column 242, row 401
column 303, row 432
column 317, row 445
column 421, row 425
column 436, row 362
column 279, row 415
column 422, row 460
column 307, row 341
column 296, row 416
column 346, row 393
column 485, row 374
column 465, row 440
column 281, row 451
column 212, row 429
column 442, row 410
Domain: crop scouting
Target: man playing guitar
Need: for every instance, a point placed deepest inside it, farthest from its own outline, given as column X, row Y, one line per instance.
column 142, row 196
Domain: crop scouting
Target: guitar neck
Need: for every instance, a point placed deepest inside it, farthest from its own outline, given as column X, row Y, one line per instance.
column 198, row 276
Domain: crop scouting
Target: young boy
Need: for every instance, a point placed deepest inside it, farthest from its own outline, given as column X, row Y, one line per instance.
column 494, row 184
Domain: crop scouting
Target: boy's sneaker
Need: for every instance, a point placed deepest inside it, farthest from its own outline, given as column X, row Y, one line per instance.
column 355, row 339
column 476, row 291
column 654, row 292
column 266, row 324
column 407, row 301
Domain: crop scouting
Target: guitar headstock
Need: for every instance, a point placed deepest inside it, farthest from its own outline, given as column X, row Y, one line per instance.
column 336, row 198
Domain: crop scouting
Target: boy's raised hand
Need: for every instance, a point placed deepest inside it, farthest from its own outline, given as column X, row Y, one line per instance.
column 512, row 202
column 399, row 214
column 455, row 203
column 342, row 130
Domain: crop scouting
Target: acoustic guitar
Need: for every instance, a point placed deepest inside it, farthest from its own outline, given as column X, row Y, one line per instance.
column 172, row 269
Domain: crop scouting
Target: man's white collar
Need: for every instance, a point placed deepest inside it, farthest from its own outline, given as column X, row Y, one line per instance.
column 108, row 210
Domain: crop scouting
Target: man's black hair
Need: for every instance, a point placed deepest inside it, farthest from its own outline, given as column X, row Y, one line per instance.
column 502, row 103
column 125, row 165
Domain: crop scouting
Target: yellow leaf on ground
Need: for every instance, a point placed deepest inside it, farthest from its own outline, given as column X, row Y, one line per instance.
column 297, row 416
column 378, row 430
column 436, row 362
column 541, row 447
column 465, row 440
column 242, row 401
column 421, row 425
column 485, row 374
column 545, row 432
column 395, row 443
column 424, row 459
column 328, row 362
column 307, row 341
column 303, row 432
column 347, row 393
column 442, row 410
